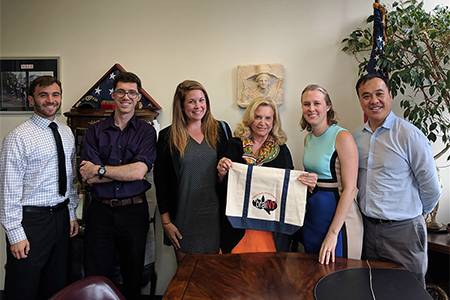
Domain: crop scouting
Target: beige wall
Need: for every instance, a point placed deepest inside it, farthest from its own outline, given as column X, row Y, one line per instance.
column 165, row 42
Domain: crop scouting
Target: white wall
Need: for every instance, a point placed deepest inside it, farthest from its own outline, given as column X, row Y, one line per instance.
column 165, row 42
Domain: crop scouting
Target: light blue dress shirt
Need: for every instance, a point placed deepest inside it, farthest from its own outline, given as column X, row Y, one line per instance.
column 397, row 177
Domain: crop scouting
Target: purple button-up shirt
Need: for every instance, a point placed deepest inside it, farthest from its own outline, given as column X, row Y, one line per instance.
column 105, row 144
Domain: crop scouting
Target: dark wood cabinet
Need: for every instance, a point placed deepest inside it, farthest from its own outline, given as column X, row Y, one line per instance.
column 83, row 118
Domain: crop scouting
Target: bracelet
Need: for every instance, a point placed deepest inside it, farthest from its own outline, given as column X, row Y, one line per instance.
column 170, row 222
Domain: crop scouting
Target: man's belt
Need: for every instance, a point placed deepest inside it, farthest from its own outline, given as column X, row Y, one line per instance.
column 382, row 221
column 123, row 202
column 46, row 209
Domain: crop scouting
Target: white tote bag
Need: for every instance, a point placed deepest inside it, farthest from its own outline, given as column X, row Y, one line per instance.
column 264, row 198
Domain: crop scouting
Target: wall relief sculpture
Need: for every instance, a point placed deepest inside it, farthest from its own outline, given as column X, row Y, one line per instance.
column 256, row 81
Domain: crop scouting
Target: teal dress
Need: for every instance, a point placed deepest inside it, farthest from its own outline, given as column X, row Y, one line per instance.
column 322, row 159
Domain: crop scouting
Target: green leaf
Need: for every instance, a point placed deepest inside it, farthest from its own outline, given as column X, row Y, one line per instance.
column 432, row 34
column 433, row 126
column 406, row 113
column 432, row 137
column 448, row 80
column 431, row 90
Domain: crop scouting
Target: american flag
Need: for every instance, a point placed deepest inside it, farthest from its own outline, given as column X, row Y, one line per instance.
column 102, row 89
column 378, row 40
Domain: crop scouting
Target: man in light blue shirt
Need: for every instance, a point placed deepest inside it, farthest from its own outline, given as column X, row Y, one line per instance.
column 397, row 181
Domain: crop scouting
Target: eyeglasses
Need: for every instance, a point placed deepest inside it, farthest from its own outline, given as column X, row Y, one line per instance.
column 132, row 94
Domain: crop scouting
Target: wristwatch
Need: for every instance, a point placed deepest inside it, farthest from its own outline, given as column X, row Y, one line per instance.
column 101, row 172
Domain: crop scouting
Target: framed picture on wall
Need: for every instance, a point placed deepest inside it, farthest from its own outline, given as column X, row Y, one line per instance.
column 16, row 74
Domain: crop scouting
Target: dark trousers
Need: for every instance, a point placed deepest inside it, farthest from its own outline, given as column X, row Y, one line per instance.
column 110, row 230
column 44, row 271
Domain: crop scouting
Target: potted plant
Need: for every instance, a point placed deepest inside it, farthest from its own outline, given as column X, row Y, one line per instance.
column 416, row 57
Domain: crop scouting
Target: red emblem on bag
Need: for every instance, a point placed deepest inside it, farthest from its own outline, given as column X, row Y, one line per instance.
column 265, row 201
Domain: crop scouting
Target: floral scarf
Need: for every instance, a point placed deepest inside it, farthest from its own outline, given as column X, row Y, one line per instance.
column 268, row 151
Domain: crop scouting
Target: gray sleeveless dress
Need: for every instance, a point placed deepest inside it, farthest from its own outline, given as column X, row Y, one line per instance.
column 198, row 205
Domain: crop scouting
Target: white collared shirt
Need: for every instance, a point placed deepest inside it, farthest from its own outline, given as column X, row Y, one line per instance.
column 29, row 172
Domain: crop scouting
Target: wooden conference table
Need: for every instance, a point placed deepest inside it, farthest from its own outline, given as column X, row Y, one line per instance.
column 255, row 275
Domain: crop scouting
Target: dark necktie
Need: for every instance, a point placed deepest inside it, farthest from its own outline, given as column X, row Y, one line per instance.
column 61, row 160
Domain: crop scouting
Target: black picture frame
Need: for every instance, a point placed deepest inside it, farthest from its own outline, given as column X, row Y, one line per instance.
column 16, row 73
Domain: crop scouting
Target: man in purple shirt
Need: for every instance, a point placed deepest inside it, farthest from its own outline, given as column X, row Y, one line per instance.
column 117, row 154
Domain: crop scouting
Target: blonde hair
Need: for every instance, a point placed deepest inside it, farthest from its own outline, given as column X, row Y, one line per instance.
column 244, row 131
column 331, row 114
column 179, row 135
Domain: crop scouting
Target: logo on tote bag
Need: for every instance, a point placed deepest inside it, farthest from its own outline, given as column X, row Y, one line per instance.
column 264, row 201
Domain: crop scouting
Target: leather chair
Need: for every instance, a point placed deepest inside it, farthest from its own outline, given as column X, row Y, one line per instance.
column 92, row 288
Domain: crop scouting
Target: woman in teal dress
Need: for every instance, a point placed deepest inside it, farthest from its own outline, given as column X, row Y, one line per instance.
column 333, row 225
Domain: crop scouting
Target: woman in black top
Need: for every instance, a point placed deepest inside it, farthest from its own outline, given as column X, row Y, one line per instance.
column 185, row 173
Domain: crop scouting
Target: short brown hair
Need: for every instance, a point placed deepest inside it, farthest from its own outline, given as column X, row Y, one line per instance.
column 127, row 77
column 43, row 81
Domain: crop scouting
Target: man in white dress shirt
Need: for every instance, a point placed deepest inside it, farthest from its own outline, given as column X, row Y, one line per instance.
column 36, row 210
